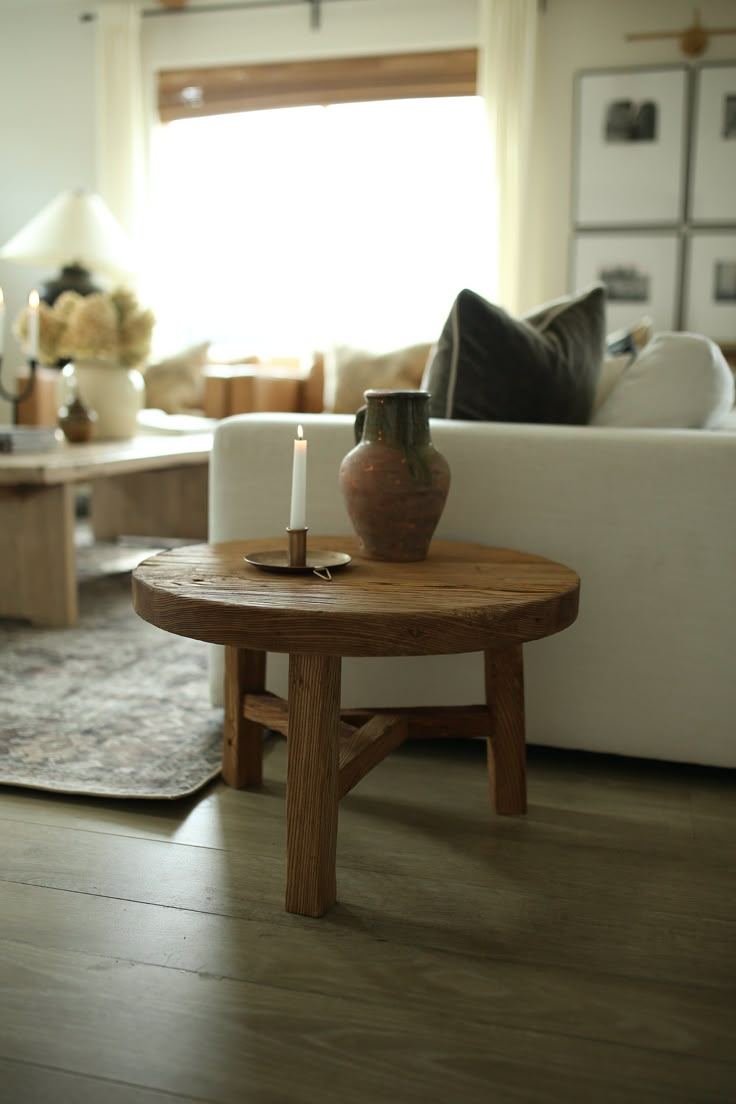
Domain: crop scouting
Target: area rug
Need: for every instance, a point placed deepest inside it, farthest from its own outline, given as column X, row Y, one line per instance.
column 112, row 707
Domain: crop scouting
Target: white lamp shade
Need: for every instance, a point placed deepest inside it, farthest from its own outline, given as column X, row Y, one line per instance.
column 75, row 228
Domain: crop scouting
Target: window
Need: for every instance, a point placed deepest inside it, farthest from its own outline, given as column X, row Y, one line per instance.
column 285, row 229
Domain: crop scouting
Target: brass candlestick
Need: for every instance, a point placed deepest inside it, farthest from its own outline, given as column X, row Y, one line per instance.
column 297, row 554
column 15, row 398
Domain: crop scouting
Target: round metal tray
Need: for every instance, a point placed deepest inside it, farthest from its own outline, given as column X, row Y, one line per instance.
column 277, row 559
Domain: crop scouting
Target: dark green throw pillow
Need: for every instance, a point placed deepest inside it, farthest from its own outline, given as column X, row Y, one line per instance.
column 544, row 367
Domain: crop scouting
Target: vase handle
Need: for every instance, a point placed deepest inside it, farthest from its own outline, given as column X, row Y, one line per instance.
column 359, row 424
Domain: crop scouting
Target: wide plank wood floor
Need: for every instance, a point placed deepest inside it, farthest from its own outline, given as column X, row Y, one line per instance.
column 584, row 953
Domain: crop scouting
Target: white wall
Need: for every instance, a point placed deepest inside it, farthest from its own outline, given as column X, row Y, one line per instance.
column 46, row 131
column 589, row 34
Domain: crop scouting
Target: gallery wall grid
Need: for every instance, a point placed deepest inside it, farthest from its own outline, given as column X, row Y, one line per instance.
column 654, row 198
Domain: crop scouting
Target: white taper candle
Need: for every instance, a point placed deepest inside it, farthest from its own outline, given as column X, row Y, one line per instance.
column 298, row 517
column 33, row 320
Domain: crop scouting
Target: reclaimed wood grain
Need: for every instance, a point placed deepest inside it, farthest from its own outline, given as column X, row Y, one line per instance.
column 432, row 722
column 360, row 748
column 365, row 747
column 242, row 747
column 462, row 598
column 311, row 783
column 504, row 679
column 271, row 711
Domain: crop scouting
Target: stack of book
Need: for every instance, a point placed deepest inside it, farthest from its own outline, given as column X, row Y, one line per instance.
column 28, row 438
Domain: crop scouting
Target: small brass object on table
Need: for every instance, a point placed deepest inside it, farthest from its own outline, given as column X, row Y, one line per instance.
column 297, row 547
column 77, row 421
column 295, row 558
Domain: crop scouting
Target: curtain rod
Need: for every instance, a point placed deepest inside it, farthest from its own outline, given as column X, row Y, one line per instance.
column 315, row 7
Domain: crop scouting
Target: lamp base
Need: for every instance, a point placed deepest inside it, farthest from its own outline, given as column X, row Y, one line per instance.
column 72, row 277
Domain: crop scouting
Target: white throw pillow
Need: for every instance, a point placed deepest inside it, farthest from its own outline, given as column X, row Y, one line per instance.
column 678, row 381
column 612, row 369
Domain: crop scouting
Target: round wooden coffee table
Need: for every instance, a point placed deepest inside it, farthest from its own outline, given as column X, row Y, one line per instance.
column 462, row 598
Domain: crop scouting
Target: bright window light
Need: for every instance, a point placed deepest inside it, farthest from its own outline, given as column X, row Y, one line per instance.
column 283, row 231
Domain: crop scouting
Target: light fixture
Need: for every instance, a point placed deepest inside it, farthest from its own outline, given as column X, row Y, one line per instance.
column 693, row 39
column 79, row 232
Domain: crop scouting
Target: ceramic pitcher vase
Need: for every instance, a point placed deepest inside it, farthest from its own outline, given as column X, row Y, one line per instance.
column 394, row 482
column 114, row 392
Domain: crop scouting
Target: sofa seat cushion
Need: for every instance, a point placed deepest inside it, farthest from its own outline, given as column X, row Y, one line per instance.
column 678, row 381
column 489, row 366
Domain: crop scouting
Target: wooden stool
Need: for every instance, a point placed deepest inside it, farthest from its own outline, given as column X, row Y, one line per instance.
column 462, row 598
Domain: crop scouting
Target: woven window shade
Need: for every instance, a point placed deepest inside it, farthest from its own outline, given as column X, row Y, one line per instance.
column 188, row 93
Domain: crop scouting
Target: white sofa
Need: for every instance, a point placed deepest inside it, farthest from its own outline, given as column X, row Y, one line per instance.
column 647, row 517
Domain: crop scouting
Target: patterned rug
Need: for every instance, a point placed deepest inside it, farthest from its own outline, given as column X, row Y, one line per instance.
column 113, row 707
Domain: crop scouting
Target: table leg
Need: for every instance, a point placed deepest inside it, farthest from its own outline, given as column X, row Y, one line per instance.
column 242, row 746
column 311, row 783
column 504, row 673
column 38, row 577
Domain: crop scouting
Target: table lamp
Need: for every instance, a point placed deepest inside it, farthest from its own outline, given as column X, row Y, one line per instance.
column 77, row 231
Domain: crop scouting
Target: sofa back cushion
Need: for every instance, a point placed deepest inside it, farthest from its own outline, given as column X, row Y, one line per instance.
column 543, row 367
column 177, row 384
column 678, row 381
column 349, row 372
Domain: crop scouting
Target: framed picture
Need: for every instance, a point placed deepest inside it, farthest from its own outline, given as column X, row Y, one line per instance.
column 630, row 147
column 641, row 273
column 710, row 285
column 713, row 182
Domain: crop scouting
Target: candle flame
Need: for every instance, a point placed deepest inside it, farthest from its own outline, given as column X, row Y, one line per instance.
column 300, row 433
column 33, row 300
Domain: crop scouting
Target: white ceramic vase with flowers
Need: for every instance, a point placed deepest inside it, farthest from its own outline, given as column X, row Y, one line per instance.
column 106, row 337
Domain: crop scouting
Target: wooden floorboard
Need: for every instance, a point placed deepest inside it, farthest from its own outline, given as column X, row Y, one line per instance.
column 346, row 958
column 586, row 952
column 34, row 1084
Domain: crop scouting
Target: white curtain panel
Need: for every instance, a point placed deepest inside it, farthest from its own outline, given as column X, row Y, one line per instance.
column 121, row 117
column 507, row 63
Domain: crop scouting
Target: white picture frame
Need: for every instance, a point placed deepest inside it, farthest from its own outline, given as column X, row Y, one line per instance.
column 710, row 285
column 641, row 272
column 630, row 147
column 713, row 180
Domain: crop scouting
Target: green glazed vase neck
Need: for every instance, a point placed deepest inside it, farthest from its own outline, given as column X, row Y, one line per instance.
column 398, row 418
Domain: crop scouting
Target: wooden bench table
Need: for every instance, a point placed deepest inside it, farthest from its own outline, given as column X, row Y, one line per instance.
column 148, row 486
column 462, row 598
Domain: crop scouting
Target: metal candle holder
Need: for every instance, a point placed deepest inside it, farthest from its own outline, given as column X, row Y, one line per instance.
column 17, row 397
column 294, row 557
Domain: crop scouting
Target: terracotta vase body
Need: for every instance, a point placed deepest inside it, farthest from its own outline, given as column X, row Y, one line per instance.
column 394, row 482
column 114, row 392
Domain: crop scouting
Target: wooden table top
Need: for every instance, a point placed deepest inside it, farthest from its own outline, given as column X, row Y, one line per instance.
column 69, row 463
column 462, row 598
